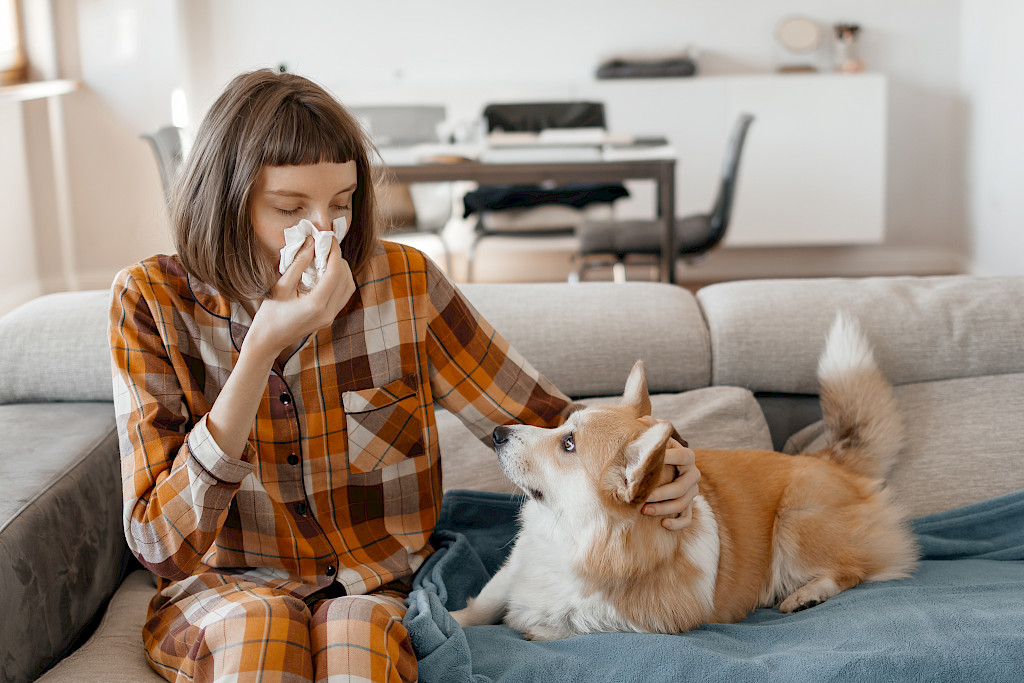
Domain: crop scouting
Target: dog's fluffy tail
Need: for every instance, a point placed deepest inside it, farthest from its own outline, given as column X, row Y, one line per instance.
column 863, row 427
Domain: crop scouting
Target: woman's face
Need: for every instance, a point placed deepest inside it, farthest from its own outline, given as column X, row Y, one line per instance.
column 284, row 195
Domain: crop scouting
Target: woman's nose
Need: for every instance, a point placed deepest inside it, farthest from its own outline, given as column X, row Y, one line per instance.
column 320, row 221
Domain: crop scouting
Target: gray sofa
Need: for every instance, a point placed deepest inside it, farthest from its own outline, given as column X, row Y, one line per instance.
column 732, row 366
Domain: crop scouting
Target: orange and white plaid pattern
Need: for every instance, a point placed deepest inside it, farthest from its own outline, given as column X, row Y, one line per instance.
column 340, row 481
column 224, row 629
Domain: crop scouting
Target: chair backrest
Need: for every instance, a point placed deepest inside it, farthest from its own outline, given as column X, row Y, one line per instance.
column 721, row 212
column 168, row 149
column 533, row 117
column 401, row 125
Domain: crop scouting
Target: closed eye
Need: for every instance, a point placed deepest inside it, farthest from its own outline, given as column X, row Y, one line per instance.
column 569, row 443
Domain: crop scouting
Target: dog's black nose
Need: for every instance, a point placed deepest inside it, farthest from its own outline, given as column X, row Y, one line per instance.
column 500, row 435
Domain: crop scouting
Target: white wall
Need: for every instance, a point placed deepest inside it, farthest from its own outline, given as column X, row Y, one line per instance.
column 130, row 54
column 19, row 275
column 128, row 59
column 993, row 68
column 124, row 53
column 406, row 50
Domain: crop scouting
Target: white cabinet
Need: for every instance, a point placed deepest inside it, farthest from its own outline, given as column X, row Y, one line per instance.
column 814, row 168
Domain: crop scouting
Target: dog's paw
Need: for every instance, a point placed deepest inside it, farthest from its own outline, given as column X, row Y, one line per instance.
column 468, row 616
column 794, row 604
column 543, row 632
column 813, row 593
column 539, row 634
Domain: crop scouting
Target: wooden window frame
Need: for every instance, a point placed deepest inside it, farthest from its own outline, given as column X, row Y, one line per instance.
column 17, row 71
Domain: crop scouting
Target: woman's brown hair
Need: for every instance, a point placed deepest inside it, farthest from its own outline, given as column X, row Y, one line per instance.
column 263, row 118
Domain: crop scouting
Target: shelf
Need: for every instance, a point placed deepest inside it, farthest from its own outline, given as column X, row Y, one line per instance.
column 37, row 90
column 51, row 92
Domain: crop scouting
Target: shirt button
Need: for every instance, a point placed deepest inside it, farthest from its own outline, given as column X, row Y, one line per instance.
column 293, row 459
column 286, row 399
column 301, row 509
column 329, row 571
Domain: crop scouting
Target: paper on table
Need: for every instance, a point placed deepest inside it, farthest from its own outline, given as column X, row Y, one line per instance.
column 297, row 234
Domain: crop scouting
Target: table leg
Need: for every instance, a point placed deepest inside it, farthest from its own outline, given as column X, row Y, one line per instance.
column 62, row 194
column 666, row 214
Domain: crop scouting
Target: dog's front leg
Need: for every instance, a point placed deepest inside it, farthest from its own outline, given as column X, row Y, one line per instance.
column 490, row 606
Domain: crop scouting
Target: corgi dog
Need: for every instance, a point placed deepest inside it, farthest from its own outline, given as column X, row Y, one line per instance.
column 767, row 528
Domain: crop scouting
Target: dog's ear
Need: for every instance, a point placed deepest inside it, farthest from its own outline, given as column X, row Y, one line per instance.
column 636, row 474
column 636, row 396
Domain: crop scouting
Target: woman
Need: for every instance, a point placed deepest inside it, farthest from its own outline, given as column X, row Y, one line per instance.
column 280, row 464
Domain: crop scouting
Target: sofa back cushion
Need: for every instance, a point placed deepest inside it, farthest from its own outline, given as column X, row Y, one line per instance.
column 712, row 417
column 585, row 337
column 55, row 348
column 767, row 335
column 962, row 443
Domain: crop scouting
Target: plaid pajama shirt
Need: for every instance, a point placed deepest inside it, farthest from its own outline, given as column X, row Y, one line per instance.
column 339, row 485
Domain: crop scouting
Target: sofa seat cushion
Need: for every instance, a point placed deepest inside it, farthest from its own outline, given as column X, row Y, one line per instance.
column 963, row 442
column 61, row 546
column 712, row 417
column 114, row 654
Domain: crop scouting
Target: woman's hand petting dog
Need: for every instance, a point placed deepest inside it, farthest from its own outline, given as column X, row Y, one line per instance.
column 674, row 500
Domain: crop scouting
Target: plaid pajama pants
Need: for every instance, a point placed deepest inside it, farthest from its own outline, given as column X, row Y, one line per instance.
column 217, row 628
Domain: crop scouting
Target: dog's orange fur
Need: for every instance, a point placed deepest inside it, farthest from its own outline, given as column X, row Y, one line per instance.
column 800, row 503
column 767, row 528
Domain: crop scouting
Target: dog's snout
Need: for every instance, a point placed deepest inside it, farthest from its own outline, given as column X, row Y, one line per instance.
column 500, row 435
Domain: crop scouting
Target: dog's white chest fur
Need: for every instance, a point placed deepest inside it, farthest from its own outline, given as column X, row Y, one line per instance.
column 547, row 600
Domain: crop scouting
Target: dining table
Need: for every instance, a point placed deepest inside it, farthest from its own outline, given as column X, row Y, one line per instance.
column 611, row 166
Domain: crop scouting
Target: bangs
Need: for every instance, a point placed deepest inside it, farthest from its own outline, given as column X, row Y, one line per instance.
column 304, row 134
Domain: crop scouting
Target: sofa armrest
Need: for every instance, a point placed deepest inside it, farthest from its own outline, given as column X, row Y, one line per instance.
column 62, row 548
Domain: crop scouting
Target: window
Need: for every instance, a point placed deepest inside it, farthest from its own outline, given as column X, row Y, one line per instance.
column 13, row 68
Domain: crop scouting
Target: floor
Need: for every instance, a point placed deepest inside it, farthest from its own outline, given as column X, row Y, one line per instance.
column 502, row 259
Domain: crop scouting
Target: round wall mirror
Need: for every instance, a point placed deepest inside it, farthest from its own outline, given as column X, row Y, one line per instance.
column 798, row 34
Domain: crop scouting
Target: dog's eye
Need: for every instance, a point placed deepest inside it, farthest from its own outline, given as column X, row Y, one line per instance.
column 569, row 443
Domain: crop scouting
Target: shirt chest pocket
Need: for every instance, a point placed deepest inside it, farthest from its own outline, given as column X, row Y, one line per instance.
column 384, row 424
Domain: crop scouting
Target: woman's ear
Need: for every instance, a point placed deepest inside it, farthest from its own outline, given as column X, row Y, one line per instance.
column 636, row 396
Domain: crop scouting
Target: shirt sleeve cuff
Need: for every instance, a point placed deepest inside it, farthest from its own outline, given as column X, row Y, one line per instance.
column 208, row 454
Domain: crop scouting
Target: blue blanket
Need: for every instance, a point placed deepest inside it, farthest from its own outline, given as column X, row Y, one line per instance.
column 960, row 618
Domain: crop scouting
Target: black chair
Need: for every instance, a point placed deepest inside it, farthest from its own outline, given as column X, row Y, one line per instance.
column 695, row 235
column 532, row 211
column 533, row 117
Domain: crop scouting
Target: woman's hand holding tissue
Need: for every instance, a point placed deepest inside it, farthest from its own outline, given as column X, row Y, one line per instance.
column 282, row 320
column 290, row 314
column 295, row 237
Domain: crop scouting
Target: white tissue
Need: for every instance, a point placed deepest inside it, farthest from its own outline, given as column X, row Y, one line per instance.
column 296, row 235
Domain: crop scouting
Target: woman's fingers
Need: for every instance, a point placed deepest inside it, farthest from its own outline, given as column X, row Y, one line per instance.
column 679, row 455
column 336, row 284
column 680, row 521
column 288, row 283
column 675, row 496
column 674, row 501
